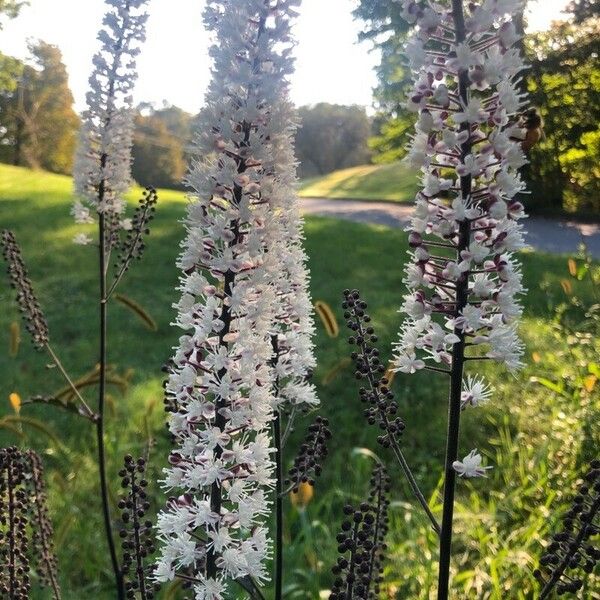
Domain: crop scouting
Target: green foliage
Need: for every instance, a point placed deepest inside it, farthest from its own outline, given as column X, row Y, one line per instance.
column 367, row 182
column 331, row 137
column 159, row 146
column 39, row 123
column 11, row 8
column 565, row 84
column 537, row 437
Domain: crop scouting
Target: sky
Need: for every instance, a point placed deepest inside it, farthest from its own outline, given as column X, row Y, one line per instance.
column 330, row 65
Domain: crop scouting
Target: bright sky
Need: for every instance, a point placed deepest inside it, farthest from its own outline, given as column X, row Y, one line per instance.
column 330, row 67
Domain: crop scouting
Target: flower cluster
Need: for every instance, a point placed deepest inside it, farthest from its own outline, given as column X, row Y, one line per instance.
column 220, row 391
column 362, row 543
column 34, row 318
column 103, row 162
column 573, row 548
column 285, row 265
column 25, row 528
column 463, row 279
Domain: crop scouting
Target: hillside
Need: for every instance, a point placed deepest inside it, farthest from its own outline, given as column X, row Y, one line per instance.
column 393, row 182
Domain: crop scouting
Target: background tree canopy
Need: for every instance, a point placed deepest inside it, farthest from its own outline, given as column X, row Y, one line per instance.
column 331, row 137
column 39, row 124
column 563, row 83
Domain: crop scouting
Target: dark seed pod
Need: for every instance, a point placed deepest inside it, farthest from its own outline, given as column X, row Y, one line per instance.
column 313, row 451
column 361, row 544
column 25, row 528
column 574, row 551
column 380, row 408
column 133, row 246
column 35, row 321
column 136, row 533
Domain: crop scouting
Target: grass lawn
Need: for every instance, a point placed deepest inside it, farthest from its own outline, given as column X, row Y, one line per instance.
column 513, row 431
column 394, row 182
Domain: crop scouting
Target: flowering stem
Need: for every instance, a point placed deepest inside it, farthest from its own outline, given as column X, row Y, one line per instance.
column 278, row 481
column 102, row 400
column 458, row 349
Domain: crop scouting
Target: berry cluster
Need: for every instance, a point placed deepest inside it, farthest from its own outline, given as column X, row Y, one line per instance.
column 28, row 304
column 136, row 533
column 25, row 529
column 133, row 246
column 573, row 548
column 381, row 409
column 362, row 543
column 308, row 462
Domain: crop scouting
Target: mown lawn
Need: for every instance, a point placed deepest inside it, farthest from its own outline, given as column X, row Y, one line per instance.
column 521, row 431
column 394, row 182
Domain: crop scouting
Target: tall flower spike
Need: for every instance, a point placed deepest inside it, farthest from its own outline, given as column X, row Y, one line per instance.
column 103, row 162
column 35, row 321
column 463, row 279
column 575, row 549
column 212, row 530
column 362, row 544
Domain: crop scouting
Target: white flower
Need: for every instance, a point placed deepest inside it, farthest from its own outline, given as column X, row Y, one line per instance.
column 470, row 466
column 82, row 239
column 102, row 171
column 462, row 277
column 475, row 392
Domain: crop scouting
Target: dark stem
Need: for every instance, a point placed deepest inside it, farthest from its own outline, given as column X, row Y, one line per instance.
column 102, row 398
column 278, row 483
column 352, row 567
column 141, row 579
column 12, row 567
column 458, row 350
column 412, row 482
column 376, row 548
column 220, row 421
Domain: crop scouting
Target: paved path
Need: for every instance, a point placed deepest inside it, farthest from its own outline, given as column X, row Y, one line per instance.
column 559, row 237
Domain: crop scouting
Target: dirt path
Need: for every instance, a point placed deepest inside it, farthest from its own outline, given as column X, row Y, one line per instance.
column 559, row 237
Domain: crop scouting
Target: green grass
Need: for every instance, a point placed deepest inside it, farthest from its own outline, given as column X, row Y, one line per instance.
column 393, row 182
column 500, row 521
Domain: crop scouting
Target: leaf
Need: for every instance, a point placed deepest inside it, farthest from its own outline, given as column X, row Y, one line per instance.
column 572, row 267
column 548, row 384
column 356, row 451
column 589, row 383
column 35, row 424
column 15, row 402
column 327, row 318
column 582, row 271
column 566, row 286
column 15, row 339
column 137, row 309
column 336, row 370
column 594, row 369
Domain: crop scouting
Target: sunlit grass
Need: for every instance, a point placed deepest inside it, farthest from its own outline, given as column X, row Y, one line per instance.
column 342, row 254
column 393, row 182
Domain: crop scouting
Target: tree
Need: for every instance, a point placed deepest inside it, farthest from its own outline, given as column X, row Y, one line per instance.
column 332, row 137
column 11, row 8
column 565, row 84
column 160, row 145
column 39, row 124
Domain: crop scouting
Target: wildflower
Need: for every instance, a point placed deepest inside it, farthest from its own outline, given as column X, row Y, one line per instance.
column 470, row 466
column 475, row 392
column 244, row 234
column 102, row 169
